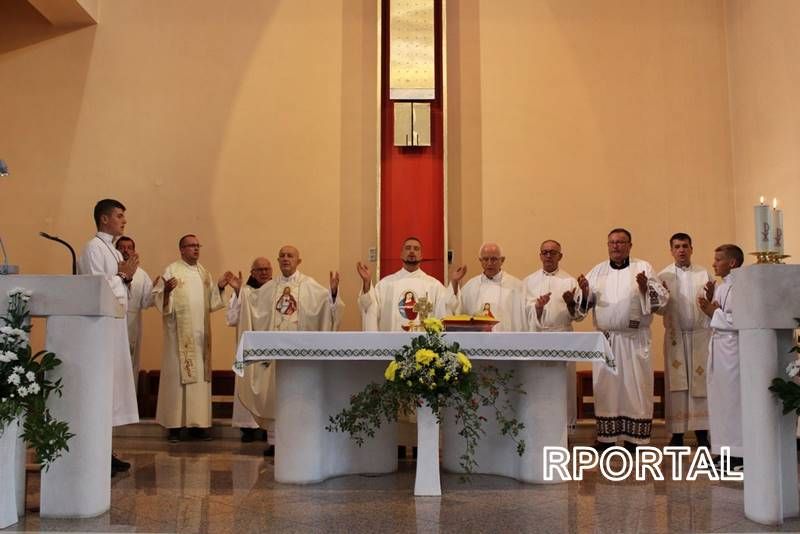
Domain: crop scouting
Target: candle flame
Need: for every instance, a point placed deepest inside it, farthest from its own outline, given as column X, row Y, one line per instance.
column 761, row 200
column 774, row 203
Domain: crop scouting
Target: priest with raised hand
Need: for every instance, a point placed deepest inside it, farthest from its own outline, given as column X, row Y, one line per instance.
column 624, row 293
column 292, row 301
column 550, row 304
column 186, row 295
column 101, row 258
column 260, row 274
column 140, row 297
column 389, row 305
column 494, row 292
column 686, row 337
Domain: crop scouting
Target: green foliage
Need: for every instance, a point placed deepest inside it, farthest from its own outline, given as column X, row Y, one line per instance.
column 25, row 386
column 445, row 380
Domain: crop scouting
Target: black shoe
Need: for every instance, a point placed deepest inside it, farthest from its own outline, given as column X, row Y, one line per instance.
column 174, row 435
column 600, row 446
column 203, row 434
column 414, row 452
column 676, row 441
column 401, row 452
column 248, row 435
column 630, row 447
column 702, row 438
column 113, row 471
column 270, row 451
column 119, row 465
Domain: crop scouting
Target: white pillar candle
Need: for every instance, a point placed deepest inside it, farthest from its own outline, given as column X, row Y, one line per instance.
column 776, row 241
column 763, row 215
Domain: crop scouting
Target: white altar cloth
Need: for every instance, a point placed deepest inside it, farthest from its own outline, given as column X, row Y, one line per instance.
column 319, row 371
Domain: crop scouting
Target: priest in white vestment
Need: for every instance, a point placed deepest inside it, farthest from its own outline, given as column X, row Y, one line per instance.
column 289, row 302
column 260, row 274
column 140, row 297
column 550, row 304
column 99, row 257
column 623, row 293
column 389, row 305
column 186, row 295
column 724, row 383
column 686, row 337
column 494, row 292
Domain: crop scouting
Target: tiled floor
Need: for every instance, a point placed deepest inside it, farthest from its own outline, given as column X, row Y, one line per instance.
column 224, row 486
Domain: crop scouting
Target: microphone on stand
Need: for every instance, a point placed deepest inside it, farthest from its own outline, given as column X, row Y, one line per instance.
column 71, row 250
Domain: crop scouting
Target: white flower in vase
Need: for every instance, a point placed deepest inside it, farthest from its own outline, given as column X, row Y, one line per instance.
column 30, row 376
column 793, row 368
column 13, row 379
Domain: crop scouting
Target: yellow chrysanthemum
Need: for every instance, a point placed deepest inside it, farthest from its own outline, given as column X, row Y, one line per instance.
column 425, row 356
column 466, row 365
column 391, row 371
column 433, row 325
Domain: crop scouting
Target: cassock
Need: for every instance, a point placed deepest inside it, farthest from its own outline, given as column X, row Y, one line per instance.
column 140, row 297
column 686, row 338
column 241, row 418
column 389, row 304
column 497, row 297
column 294, row 303
column 724, row 393
column 623, row 397
column 100, row 257
column 184, row 389
column 555, row 318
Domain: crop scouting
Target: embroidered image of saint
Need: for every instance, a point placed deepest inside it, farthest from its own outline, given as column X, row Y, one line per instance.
column 406, row 305
column 486, row 311
column 286, row 304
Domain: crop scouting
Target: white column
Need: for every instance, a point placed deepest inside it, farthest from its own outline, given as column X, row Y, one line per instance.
column 79, row 483
column 770, row 457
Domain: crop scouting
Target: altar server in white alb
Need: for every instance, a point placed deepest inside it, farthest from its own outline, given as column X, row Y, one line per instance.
column 624, row 293
column 724, row 393
column 389, row 305
column 550, row 304
column 140, row 297
column 686, row 337
column 494, row 292
column 290, row 302
column 100, row 257
column 186, row 295
column 260, row 274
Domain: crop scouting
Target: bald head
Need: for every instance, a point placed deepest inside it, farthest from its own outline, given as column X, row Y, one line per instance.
column 491, row 257
column 288, row 260
column 261, row 271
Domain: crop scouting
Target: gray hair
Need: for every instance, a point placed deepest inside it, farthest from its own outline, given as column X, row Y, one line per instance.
column 487, row 244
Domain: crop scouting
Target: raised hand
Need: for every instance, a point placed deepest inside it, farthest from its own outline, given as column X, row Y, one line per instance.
column 641, row 279
column 583, row 284
column 224, row 280
column 541, row 302
column 128, row 267
column 707, row 306
column 458, row 274
column 709, row 289
column 365, row 274
column 334, row 282
column 569, row 298
column 236, row 282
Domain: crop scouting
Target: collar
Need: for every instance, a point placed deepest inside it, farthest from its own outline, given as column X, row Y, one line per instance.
column 107, row 238
column 289, row 279
column 189, row 265
column 545, row 273
column 624, row 265
column 497, row 279
column 684, row 269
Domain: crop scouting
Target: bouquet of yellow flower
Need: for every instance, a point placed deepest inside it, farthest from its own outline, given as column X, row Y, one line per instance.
column 439, row 374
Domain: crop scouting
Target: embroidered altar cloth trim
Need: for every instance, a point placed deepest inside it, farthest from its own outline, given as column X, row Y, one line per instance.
column 543, row 346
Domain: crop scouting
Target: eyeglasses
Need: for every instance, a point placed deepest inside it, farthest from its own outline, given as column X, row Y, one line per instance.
column 194, row 245
column 549, row 252
column 614, row 243
column 492, row 259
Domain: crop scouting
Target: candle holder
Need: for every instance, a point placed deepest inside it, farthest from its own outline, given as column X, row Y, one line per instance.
column 769, row 257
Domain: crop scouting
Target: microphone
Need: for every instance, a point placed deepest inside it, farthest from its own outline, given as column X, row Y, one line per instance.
column 71, row 250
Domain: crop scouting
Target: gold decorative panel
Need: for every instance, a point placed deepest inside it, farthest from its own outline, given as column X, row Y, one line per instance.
column 411, row 50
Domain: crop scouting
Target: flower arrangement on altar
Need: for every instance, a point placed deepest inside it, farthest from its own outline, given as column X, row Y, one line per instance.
column 438, row 374
column 24, row 388
column 788, row 391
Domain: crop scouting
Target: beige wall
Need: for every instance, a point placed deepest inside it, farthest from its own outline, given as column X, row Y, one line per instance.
column 585, row 116
column 254, row 124
column 764, row 64
column 249, row 123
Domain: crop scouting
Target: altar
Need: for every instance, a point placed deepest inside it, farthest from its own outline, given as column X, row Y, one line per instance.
column 318, row 371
